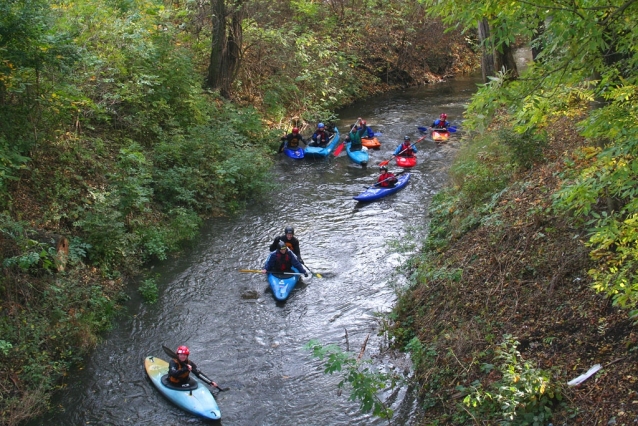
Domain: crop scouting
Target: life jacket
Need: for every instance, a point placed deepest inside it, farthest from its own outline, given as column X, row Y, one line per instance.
column 321, row 136
column 409, row 152
column 182, row 378
column 389, row 182
column 283, row 262
column 440, row 124
column 293, row 141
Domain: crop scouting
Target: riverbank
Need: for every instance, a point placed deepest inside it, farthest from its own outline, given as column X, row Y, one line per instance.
column 501, row 314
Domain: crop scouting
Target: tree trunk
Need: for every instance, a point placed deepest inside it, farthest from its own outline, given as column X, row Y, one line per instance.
column 226, row 47
column 493, row 60
column 487, row 58
column 505, row 61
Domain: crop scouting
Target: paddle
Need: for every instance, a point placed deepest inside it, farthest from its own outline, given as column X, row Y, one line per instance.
column 377, row 184
column 258, row 271
column 343, row 144
column 451, row 129
column 385, row 163
column 201, row 375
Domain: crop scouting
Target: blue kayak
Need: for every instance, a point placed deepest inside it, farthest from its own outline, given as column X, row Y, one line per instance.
column 282, row 284
column 376, row 192
column 296, row 153
column 194, row 397
column 317, row 151
column 360, row 157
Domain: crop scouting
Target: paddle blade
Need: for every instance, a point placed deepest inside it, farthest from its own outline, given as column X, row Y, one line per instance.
column 250, row 271
column 339, row 149
column 452, row 129
column 422, row 129
column 377, row 134
column 384, row 163
column 318, row 275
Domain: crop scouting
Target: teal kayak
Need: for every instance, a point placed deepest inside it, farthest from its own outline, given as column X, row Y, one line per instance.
column 360, row 157
column 194, row 398
column 318, row 151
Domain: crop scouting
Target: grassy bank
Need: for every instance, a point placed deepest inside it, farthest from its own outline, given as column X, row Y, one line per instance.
column 501, row 312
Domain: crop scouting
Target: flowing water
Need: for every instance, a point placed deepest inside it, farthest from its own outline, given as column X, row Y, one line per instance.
column 238, row 334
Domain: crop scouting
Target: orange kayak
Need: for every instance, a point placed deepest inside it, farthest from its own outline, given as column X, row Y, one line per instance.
column 371, row 143
column 440, row 135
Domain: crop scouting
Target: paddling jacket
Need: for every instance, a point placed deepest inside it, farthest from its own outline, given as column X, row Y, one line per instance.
column 178, row 373
column 321, row 136
column 355, row 139
column 292, row 244
column 440, row 124
column 410, row 150
column 291, row 141
column 283, row 262
column 390, row 182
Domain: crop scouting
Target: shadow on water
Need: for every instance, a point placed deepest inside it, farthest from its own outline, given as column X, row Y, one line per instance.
column 237, row 333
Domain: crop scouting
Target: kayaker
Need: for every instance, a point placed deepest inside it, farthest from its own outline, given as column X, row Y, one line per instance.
column 179, row 368
column 321, row 136
column 282, row 260
column 290, row 240
column 441, row 122
column 386, row 179
column 355, row 135
column 291, row 140
column 367, row 132
column 406, row 149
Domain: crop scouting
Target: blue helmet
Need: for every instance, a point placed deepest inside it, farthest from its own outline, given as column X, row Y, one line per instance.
column 321, row 125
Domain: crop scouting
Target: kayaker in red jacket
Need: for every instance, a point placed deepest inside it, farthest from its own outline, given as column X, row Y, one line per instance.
column 386, row 179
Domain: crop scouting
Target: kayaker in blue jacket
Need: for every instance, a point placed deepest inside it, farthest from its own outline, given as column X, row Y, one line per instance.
column 282, row 260
column 179, row 368
column 291, row 140
column 365, row 131
column 406, row 149
column 290, row 240
column 441, row 123
column 321, row 136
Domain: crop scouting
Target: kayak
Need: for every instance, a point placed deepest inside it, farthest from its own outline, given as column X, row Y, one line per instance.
column 406, row 162
column 359, row 157
column 194, row 397
column 296, row 153
column 440, row 135
column 282, row 284
column 371, row 143
column 317, row 151
column 375, row 192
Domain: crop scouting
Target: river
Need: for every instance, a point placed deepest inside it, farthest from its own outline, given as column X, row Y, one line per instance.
column 236, row 331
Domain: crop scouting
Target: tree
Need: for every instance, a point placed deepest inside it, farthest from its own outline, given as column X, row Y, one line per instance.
column 226, row 47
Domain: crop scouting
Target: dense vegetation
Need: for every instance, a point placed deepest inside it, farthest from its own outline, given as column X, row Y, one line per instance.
column 528, row 276
column 118, row 136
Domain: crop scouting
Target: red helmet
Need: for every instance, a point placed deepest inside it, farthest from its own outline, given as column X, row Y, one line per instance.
column 295, row 131
column 363, row 122
column 183, row 350
column 443, row 116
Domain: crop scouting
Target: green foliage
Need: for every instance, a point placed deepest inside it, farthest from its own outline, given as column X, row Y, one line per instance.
column 365, row 383
column 526, row 148
column 522, row 396
column 149, row 291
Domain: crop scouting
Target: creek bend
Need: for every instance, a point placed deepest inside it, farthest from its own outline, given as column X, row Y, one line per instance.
column 237, row 333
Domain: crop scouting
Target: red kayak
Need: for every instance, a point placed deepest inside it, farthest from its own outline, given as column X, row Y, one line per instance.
column 406, row 162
